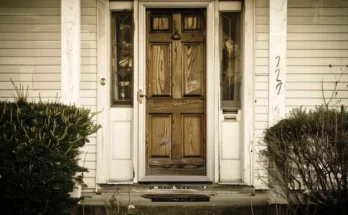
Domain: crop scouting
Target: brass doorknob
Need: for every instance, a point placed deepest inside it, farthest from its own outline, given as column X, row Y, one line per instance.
column 102, row 81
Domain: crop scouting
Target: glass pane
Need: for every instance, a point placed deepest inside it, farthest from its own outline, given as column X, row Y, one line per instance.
column 230, row 65
column 122, row 58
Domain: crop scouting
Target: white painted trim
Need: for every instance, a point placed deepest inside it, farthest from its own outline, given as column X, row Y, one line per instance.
column 230, row 6
column 120, row 5
column 185, row 4
column 135, row 86
column 247, row 65
column 248, row 91
column 141, row 114
column 212, row 83
column 217, row 88
column 71, row 51
column 103, row 92
column 212, row 86
column 277, row 60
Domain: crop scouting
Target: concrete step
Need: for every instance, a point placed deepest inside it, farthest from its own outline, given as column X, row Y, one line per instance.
column 220, row 202
column 178, row 210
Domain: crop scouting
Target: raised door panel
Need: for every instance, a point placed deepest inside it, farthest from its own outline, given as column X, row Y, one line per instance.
column 193, row 68
column 193, row 135
column 160, row 23
column 160, row 69
column 192, row 22
column 160, row 136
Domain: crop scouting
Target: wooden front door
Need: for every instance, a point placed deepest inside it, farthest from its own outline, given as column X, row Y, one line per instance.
column 175, row 108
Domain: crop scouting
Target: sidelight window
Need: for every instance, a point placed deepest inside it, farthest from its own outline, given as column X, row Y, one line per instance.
column 122, row 58
column 230, row 60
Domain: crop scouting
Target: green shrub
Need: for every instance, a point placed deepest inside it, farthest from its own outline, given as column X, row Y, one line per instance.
column 39, row 146
column 308, row 159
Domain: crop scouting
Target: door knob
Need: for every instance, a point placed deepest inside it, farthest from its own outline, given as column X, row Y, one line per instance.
column 102, row 81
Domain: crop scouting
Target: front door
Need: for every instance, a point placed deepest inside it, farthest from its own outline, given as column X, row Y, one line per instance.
column 175, row 85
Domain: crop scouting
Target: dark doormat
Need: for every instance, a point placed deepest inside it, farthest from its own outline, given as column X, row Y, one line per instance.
column 177, row 197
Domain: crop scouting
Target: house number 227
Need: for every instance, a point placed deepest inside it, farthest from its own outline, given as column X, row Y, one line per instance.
column 280, row 83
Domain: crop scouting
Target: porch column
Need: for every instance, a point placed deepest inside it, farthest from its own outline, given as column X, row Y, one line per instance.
column 277, row 59
column 70, row 50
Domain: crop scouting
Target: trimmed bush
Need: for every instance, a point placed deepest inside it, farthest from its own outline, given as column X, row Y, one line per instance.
column 39, row 146
column 308, row 159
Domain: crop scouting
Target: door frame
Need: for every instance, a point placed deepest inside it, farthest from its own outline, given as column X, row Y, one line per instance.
column 104, row 9
column 212, row 90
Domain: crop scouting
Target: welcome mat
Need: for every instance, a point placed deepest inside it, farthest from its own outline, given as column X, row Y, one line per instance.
column 177, row 197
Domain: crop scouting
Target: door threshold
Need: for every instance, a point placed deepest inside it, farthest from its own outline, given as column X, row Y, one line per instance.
column 173, row 178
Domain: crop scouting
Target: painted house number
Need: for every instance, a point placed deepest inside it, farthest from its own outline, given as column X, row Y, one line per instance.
column 280, row 83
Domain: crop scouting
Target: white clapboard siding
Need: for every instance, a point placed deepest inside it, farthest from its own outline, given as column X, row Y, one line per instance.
column 88, row 92
column 30, row 54
column 317, row 37
column 260, row 85
column 41, row 28
column 311, row 78
column 303, row 69
column 318, row 4
column 307, row 53
column 308, row 28
column 10, row 11
column 41, row 52
column 310, row 12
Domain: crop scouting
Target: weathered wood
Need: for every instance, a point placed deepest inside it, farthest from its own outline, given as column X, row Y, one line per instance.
column 177, row 143
column 185, row 37
column 160, row 70
column 175, row 103
column 192, row 22
column 193, row 65
column 169, row 105
column 160, row 23
column 187, row 166
column 193, row 135
column 160, row 135
column 177, row 60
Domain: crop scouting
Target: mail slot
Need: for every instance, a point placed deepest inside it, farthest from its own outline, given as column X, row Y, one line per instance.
column 230, row 117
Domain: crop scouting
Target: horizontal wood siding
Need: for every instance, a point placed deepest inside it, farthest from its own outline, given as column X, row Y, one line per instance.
column 30, row 54
column 88, row 93
column 317, row 37
column 261, row 88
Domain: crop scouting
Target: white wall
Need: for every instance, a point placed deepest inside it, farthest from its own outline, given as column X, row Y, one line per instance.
column 30, row 55
column 317, row 37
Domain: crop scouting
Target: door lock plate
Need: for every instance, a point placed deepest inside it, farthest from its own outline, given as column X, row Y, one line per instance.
column 141, row 96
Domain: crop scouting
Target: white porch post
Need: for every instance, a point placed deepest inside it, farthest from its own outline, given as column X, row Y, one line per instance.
column 277, row 73
column 277, row 59
column 70, row 50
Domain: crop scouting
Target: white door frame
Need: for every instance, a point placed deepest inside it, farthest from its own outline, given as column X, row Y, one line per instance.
column 212, row 84
column 104, row 8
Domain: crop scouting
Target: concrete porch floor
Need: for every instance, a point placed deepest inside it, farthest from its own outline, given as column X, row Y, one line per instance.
column 232, row 200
